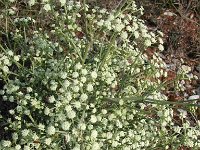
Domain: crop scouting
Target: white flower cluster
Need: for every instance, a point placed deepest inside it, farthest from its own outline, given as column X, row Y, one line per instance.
column 6, row 61
column 24, row 20
column 89, row 86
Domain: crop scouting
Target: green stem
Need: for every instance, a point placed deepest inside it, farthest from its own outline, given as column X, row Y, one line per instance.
column 120, row 6
column 85, row 20
column 88, row 47
column 25, row 34
column 110, row 48
column 31, row 119
column 73, row 45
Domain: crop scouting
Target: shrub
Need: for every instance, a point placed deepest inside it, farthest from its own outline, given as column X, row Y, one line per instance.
column 85, row 79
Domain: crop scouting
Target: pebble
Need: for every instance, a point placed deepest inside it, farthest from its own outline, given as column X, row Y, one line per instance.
column 193, row 97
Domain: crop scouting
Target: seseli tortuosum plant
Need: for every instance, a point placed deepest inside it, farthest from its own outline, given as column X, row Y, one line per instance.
column 78, row 77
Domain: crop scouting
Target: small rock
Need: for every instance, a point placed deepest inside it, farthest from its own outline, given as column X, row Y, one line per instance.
column 168, row 13
column 193, row 97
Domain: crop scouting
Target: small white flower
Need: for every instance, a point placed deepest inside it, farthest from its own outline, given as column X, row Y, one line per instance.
column 6, row 143
column 31, row 2
column 75, row 82
column 68, row 97
column 52, row 99
column 165, row 74
column 121, row 102
column 12, row 112
column 41, row 127
column 119, row 27
column 68, row 108
column 77, row 147
column 190, row 143
column 67, row 138
column 111, row 116
column 25, row 132
column 164, row 124
column 109, row 135
column 115, row 144
column 153, row 40
column 10, row 53
column 159, row 32
column 111, row 17
column 66, row 125
column 88, row 16
column 51, row 130
column 15, row 136
column 84, row 72
column 89, row 87
column 17, row 147
column 78, row 66
column 71, row 114
column 183, row 113
column 137, row 137
column 104, row 111
column 47, row 141
column 95, row 146
column 128, row 28
column 103, row 11
column 75, row 74
column 82, row 126
column 61, row 90
column 6, row 61
column 100, row 23
column 126, row 148
column 107, row 24
column 26, row 147
column 160, row 47
column 90, row 127
column 135, row 25
column 66, row 83
column 94, row 74
column 157, row 74
column 29, row 89
column 109, row 80
column 53, row 87
column 160, row 40
column 136, row 34
column 124, row 35
column 46, row 111
column 70, row 27
column 76, row 88
column 63, row 75
column 47, row 7
column 186, row 68
column 147, row 42
column 93, row 119
column 83, row 79
column 63, row 2
column 94, row 134
column 83, row 97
